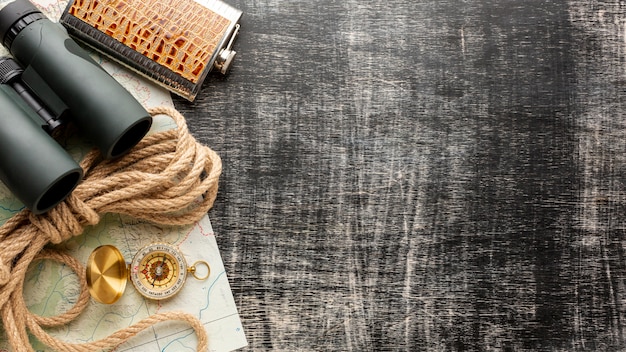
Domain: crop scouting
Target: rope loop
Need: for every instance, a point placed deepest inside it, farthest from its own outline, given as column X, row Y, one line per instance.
column 168, row 178
column 66, row 220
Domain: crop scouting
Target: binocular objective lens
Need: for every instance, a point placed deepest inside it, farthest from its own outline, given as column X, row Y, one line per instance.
column 57, row 192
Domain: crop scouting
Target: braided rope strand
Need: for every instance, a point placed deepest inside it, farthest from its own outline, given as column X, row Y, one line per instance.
column 168, row 178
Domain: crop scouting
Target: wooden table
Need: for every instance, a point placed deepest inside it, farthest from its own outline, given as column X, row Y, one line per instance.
column 434, row 175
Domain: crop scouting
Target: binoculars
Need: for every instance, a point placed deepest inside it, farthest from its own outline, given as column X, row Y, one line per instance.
column 50, row 81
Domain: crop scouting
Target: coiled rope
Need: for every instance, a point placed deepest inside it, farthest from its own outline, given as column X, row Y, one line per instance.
column 161, row 180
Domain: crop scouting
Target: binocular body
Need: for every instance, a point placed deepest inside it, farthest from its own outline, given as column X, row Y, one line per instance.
column 55, row 81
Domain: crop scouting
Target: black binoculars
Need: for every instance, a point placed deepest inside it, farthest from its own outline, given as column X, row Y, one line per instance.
column 52, row 80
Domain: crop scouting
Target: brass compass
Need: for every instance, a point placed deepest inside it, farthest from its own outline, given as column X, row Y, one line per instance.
column 158, row 271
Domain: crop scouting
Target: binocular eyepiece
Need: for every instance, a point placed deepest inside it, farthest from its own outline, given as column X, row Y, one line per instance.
column 52, row 81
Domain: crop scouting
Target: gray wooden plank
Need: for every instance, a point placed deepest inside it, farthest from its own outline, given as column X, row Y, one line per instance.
column 423, row 175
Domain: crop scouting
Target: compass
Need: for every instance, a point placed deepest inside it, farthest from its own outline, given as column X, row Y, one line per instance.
column 158, row 271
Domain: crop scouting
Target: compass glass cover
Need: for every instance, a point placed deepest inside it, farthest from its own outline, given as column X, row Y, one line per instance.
column 158, row 271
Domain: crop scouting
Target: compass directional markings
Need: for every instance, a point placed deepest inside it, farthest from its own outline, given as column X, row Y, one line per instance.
column 158, row 271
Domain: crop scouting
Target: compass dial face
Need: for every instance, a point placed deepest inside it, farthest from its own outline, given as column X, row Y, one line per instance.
column 158, row 271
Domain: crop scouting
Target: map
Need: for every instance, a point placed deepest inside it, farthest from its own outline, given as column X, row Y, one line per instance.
column 50, row 288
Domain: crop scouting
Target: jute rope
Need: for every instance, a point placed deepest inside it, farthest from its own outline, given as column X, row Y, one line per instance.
column 161, row 180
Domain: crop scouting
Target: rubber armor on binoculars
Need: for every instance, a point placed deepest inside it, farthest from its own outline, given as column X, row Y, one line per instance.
column 55, row 81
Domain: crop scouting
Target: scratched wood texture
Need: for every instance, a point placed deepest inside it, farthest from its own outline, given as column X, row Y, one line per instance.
column 430, row 175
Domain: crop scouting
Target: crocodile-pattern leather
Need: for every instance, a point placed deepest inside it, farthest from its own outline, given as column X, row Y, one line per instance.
column 180, row 35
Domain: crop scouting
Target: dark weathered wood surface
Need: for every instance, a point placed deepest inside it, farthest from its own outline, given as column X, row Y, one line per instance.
column 424, row 175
